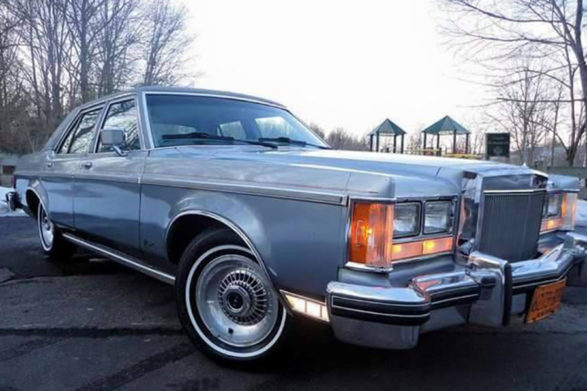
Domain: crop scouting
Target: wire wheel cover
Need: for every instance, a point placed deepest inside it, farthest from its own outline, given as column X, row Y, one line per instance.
column 234, row 301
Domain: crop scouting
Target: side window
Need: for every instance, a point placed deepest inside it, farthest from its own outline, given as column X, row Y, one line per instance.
column 80, row 137
column 67, row 142
column 123, row 115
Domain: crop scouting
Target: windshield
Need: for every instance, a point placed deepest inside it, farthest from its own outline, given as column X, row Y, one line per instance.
column 190, row 120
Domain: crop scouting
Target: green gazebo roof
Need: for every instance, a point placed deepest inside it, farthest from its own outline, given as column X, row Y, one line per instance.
column 446, row 125
column 387, row 127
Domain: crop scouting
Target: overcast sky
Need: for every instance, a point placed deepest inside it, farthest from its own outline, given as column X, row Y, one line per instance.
column 335, row 63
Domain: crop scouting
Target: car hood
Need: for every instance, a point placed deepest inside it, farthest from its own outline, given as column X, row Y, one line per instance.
column 354, row 173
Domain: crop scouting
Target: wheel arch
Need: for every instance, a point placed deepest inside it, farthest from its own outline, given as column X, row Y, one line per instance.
column 176, row 241
column 33, row 198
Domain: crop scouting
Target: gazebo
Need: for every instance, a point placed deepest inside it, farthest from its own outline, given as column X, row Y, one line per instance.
column 447, row 126
column 387, row 128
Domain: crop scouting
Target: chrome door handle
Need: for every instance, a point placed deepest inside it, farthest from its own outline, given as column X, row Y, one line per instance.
column 87, row 165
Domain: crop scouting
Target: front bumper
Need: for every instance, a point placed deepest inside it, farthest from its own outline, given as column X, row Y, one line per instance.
column 485, row 291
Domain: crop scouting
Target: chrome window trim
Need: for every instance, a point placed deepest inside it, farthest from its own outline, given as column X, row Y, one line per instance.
column 108, row 104
column 145, row 109
column 71, row 126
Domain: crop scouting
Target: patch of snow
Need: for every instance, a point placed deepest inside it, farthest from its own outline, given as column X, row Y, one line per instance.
column 582, row 213
column 4, row 211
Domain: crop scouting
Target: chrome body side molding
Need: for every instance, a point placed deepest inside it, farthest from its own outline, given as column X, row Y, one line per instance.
column 121, row 258
column 242, row 188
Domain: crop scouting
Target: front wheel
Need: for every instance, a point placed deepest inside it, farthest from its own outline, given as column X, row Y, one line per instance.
column 226, row 302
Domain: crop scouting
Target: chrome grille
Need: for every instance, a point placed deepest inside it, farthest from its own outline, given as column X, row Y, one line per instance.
column 510, row 224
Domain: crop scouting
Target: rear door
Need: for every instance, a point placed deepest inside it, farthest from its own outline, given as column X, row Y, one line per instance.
column 63, row 163
column 107, row 189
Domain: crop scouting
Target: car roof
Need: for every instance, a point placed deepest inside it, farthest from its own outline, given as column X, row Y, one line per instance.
column 184, row 90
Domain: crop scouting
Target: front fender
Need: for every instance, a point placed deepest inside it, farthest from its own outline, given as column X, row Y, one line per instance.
column 300, row 243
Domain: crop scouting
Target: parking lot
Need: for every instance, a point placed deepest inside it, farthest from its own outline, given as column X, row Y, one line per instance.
column 90, row 324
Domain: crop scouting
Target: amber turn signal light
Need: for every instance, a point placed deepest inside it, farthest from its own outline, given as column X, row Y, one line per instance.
column 421, row 248
column 371, row 232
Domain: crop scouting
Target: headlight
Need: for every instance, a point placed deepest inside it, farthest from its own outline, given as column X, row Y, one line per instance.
column 565, row 206
column 438, row 217
column 406, row 221
column 552, row 206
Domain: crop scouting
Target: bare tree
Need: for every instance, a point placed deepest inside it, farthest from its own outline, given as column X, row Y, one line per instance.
column 414, row 142
column 494, row 34
column 164, row 40
column 115, row 56
column 55, row 54
column 341, row 139
column 44, row 47
column 522, row 110
column 318, row 130
column 13, row 99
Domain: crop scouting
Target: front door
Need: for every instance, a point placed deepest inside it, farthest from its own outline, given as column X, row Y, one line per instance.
column 107, row 188
column 62, row 164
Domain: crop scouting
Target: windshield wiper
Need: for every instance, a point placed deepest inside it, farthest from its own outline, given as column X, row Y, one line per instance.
column 287, row 140
column 208, row 136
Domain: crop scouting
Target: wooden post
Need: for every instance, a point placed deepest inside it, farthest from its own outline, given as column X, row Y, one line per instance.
column 438, row 142
column 467, row 143
column 394, row 142
column 424, row 141
column 402, row 151
column 371, row 142
column 377, row 141
column 454, row 141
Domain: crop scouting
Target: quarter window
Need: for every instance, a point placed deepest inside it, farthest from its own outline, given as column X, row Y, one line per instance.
column 123, row 115
column 80, row 138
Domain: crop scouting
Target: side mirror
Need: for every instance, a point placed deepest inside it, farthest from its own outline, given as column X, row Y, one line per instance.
column 113, row 138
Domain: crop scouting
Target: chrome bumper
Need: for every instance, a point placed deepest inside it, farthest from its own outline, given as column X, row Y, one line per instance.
column 485, row 291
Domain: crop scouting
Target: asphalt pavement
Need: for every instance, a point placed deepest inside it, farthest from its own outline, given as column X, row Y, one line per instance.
column 89, row 324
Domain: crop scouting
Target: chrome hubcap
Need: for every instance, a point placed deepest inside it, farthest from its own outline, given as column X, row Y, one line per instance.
column 46, row 229
column 243, row 297
column 234, row 302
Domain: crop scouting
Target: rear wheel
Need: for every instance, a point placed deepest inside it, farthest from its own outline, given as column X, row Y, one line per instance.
column 226, row 302
column 53, row 243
